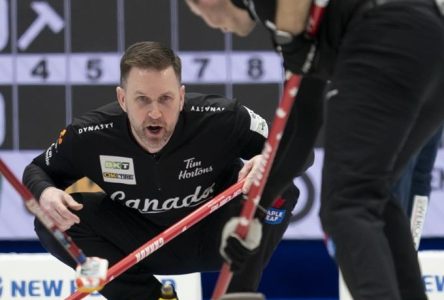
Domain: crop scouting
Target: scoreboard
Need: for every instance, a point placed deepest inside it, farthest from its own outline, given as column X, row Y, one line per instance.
column 60, row 58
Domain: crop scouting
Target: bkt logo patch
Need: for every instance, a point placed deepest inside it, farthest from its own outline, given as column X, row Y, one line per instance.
column 117, row 165
column 117, row 169
column 275, row 216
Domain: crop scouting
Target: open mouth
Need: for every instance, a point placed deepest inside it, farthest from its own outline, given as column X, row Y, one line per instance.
column 154, row 129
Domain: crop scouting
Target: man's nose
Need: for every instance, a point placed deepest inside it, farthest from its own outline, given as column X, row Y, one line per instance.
column 154, row 112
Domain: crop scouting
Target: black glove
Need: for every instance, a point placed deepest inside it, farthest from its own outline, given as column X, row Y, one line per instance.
column 235, row 250
column 298, row 54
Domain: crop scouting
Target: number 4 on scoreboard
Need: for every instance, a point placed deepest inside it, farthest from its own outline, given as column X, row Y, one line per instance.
column 40, row 69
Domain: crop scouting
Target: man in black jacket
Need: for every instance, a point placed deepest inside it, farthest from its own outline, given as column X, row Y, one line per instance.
column 384, row 60
column 157, row 154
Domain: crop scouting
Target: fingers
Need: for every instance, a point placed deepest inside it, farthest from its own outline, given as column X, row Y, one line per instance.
column 66, row 213
column 250, row 172
column 57, row 204
column 61, row 221
column 71, row 203
column 245, row 170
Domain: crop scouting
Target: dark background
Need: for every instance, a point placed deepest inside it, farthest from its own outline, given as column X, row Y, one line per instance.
column 35, row 113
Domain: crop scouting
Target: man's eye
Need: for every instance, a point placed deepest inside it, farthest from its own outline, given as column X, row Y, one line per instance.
column 165, row 99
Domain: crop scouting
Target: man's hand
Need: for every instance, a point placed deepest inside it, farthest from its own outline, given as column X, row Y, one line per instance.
column 57, row 204
column 249, row 171
column 234, row 249
column 298, row 55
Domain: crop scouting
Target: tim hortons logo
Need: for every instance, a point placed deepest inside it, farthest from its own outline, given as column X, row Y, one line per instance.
column 193, row 168
column 154, row 206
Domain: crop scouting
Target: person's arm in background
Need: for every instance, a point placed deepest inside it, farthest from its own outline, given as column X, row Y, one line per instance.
column 288, row 33
column 294, row 157
column 295, row 153
column 291, row 15
column 296, row 150
column 223, row 15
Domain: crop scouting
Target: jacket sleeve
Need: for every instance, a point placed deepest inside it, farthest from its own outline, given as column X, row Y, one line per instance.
column 296, row 150
column 55, row 166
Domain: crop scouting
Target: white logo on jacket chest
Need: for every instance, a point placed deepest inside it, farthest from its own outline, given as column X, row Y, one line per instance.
column 96, row 127
column 152, row 206
column 117, row 169
column 193, row 168
column 206, row 108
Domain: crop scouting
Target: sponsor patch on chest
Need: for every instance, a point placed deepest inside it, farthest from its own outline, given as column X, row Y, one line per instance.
column 117, row 169
column 193, row 167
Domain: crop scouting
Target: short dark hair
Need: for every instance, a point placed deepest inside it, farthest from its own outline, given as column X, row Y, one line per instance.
column 149, row 55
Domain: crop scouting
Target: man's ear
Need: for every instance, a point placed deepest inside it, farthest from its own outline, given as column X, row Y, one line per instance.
column 182, row 97
column 120, row 92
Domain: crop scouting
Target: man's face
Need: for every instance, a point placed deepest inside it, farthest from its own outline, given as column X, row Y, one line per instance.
column 223, row 15
column 153, row 100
